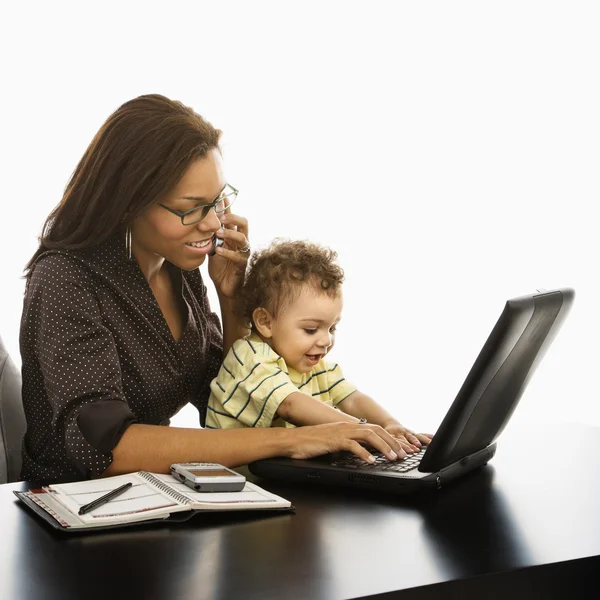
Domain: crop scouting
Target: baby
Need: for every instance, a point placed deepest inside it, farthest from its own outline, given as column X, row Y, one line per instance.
column 279, row 375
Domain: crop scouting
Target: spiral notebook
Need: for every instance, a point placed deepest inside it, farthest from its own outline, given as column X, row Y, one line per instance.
column 152, row 497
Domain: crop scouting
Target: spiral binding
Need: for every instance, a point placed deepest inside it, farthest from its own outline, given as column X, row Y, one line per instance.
column 163, row 487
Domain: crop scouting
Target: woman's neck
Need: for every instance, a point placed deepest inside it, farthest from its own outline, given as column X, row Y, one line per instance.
column 150, row 264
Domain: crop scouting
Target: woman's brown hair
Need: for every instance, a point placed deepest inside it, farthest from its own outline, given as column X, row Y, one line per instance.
column 276, row 274
column 138, row 155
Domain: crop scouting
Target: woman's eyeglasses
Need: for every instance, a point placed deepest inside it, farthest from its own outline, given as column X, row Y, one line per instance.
column 224, row 201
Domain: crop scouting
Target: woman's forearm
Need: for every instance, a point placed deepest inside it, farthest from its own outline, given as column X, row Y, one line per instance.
column 155, row 448
column 233, row 328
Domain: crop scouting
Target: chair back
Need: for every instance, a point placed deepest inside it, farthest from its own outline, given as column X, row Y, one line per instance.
column 12, row 418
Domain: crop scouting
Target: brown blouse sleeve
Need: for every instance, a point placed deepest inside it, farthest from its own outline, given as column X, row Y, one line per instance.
column 78, row 362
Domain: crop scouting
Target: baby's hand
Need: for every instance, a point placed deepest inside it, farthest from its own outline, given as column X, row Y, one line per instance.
column 409, row 440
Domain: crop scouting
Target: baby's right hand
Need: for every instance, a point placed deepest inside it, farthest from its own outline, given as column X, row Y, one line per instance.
column 314, row 440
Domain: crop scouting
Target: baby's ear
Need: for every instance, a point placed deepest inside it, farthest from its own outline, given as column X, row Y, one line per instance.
column 262, row 321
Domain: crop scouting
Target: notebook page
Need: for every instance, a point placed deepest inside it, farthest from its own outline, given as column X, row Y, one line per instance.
column 141, row 501
column 61, row 514
column 252, row 496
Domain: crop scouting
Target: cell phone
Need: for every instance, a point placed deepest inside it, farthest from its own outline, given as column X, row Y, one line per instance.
column 216, row 243
column 208, row 477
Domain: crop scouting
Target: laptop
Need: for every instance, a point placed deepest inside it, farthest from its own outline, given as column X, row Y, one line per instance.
column 466, row 438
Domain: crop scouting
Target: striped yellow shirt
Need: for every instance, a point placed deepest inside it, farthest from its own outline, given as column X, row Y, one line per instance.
column 254, row 380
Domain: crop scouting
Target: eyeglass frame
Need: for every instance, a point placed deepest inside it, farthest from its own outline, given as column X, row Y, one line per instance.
column 204, row 207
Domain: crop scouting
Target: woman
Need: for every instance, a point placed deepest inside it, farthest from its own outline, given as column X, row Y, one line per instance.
column 117, row 334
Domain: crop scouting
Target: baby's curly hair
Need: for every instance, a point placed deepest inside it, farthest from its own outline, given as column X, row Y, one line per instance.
column 276, row 274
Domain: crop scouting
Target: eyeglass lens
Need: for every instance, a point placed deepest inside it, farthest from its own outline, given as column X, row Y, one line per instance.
column 225, row 201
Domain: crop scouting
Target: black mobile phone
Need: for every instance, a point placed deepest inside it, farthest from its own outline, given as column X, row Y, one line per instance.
column 216, row 243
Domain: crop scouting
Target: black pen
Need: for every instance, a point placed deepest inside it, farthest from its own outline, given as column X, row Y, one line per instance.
column 104, row 499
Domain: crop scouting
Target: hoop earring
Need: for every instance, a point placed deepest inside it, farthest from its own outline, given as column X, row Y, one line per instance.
column 128, row 242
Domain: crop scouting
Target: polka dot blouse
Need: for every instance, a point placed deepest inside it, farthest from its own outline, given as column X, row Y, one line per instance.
column 98, row 355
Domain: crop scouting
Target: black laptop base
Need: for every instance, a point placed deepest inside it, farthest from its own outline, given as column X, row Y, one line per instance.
column 318, row 470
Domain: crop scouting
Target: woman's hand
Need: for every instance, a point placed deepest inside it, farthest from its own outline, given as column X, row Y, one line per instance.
column 228, row 265
column 408, row 439
column 314, row 440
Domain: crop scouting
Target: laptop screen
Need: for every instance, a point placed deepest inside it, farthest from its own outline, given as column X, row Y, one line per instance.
column 498, row 377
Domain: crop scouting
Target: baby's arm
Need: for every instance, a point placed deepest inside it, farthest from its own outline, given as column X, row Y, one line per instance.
column 360, row 405
column 302, row 409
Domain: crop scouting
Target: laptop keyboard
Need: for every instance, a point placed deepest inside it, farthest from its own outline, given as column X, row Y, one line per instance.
column 381, row 463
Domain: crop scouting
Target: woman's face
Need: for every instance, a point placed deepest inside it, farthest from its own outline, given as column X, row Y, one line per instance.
column 159, row 233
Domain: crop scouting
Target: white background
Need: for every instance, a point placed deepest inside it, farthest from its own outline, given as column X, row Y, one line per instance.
column 448, row 151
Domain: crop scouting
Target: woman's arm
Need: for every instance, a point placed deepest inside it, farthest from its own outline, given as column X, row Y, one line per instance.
column 226, row 269
column 70, row 352
column 155, row 448
column 233, row 328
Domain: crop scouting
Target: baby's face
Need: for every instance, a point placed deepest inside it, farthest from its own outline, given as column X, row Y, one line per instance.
column 304, row 332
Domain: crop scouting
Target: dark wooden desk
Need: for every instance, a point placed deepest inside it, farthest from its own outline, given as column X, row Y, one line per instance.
column 515, row 529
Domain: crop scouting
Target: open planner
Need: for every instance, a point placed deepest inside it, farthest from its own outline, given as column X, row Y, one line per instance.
column 152, row 497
